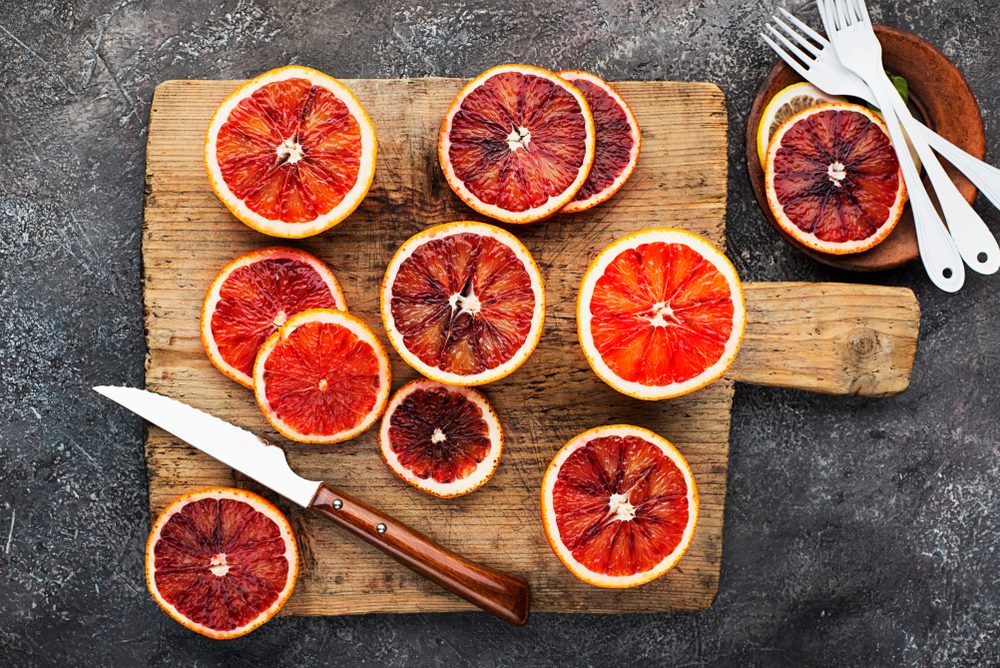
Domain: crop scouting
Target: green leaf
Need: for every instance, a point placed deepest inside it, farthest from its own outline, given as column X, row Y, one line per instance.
column 899, row 83
column 901, row 86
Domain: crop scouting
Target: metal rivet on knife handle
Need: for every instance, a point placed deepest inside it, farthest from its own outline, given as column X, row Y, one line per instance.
column 381, row 528
column 337, row 504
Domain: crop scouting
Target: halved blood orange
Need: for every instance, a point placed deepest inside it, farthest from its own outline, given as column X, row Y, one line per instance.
column 618, row 141
column 832, row 178
column 463, row 303
column 323, row 377
column 660, row 313
column 619, row 506
column 441, row 439
column 291, row 153
column 517, row 143
column 221, row 561
column 254, row 295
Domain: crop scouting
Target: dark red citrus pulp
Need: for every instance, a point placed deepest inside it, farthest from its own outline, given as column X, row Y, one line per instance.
column 620, row 504
column 517, row 140
column 220, row 562
column 836, row 175
column 439, row 434
column 614, row 139
column 463, row 303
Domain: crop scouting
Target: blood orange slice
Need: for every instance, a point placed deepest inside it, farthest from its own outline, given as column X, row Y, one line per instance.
column 618, row 141
column 660, row 314
column 322, row 378
column 291, row 153
column 443, row 440
column 221, row 561
column 619, row 506
column 832, row 178
column 517, row 143
column 463, row 303
column 253, row 296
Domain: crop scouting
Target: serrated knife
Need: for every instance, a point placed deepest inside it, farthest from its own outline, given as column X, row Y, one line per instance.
column 501, row 594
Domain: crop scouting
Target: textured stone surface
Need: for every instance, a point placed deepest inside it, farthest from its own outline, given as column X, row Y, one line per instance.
column 857, row 531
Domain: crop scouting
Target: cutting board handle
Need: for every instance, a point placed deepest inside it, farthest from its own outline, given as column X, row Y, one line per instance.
column 498, row 593
column 834, row 338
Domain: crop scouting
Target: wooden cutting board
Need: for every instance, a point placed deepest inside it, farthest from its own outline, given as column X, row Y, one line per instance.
column 824, row 337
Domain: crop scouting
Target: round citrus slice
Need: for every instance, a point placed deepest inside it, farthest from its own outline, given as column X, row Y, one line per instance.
column 463, row 303
column 517, row 144
column 443, row 440
column 253, row 296
column 322, row 378
column 660, row 313
column 832, row 179
column 618, row 141
column 619, row 506
column 291, row 153
column 787, row 102
column 221, row 561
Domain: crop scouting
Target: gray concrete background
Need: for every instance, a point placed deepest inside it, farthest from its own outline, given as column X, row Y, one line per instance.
column 857, row 531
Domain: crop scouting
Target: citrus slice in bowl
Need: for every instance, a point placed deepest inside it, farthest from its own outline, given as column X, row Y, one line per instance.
column 660, row 313
column 323, row 377
column 616, row 151
column 787, row 102
column 291, row 153
column 832, row 179
column 619, row 506
column 252, row 296
column 221, row 561
column 463, row 303
column 517, row 143
column 444, row 440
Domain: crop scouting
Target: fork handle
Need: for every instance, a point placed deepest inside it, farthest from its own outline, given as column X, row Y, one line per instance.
column 983, row 175
column 938, row 250
column 975, row 242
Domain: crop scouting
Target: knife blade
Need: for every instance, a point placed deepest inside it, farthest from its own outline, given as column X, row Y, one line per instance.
column 235, row 447
column 499, row 593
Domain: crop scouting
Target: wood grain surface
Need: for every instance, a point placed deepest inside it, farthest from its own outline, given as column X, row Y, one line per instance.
column 796, row 337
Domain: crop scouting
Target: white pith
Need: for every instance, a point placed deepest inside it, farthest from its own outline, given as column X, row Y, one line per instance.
column 448, row 230
column 553, row 203
column 620, row 507
column 483, row 472
column 215, row 294
column 356, row 327
column 519, row 138
column 617, row 506
column 258, row 504
column 598, row 197
column 351, row 199
column 661, row 316
column 218, row 565
column 836, row 172
column 290, row 151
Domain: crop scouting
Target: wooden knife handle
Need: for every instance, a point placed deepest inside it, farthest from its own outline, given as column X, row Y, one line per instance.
column 496, row 592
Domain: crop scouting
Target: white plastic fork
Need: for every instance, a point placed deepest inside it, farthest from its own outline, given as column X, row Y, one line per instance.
column 816, row 61
column 859, row 50
column 849, row 21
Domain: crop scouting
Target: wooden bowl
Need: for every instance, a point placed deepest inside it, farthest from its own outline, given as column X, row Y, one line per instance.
column 941, row 98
